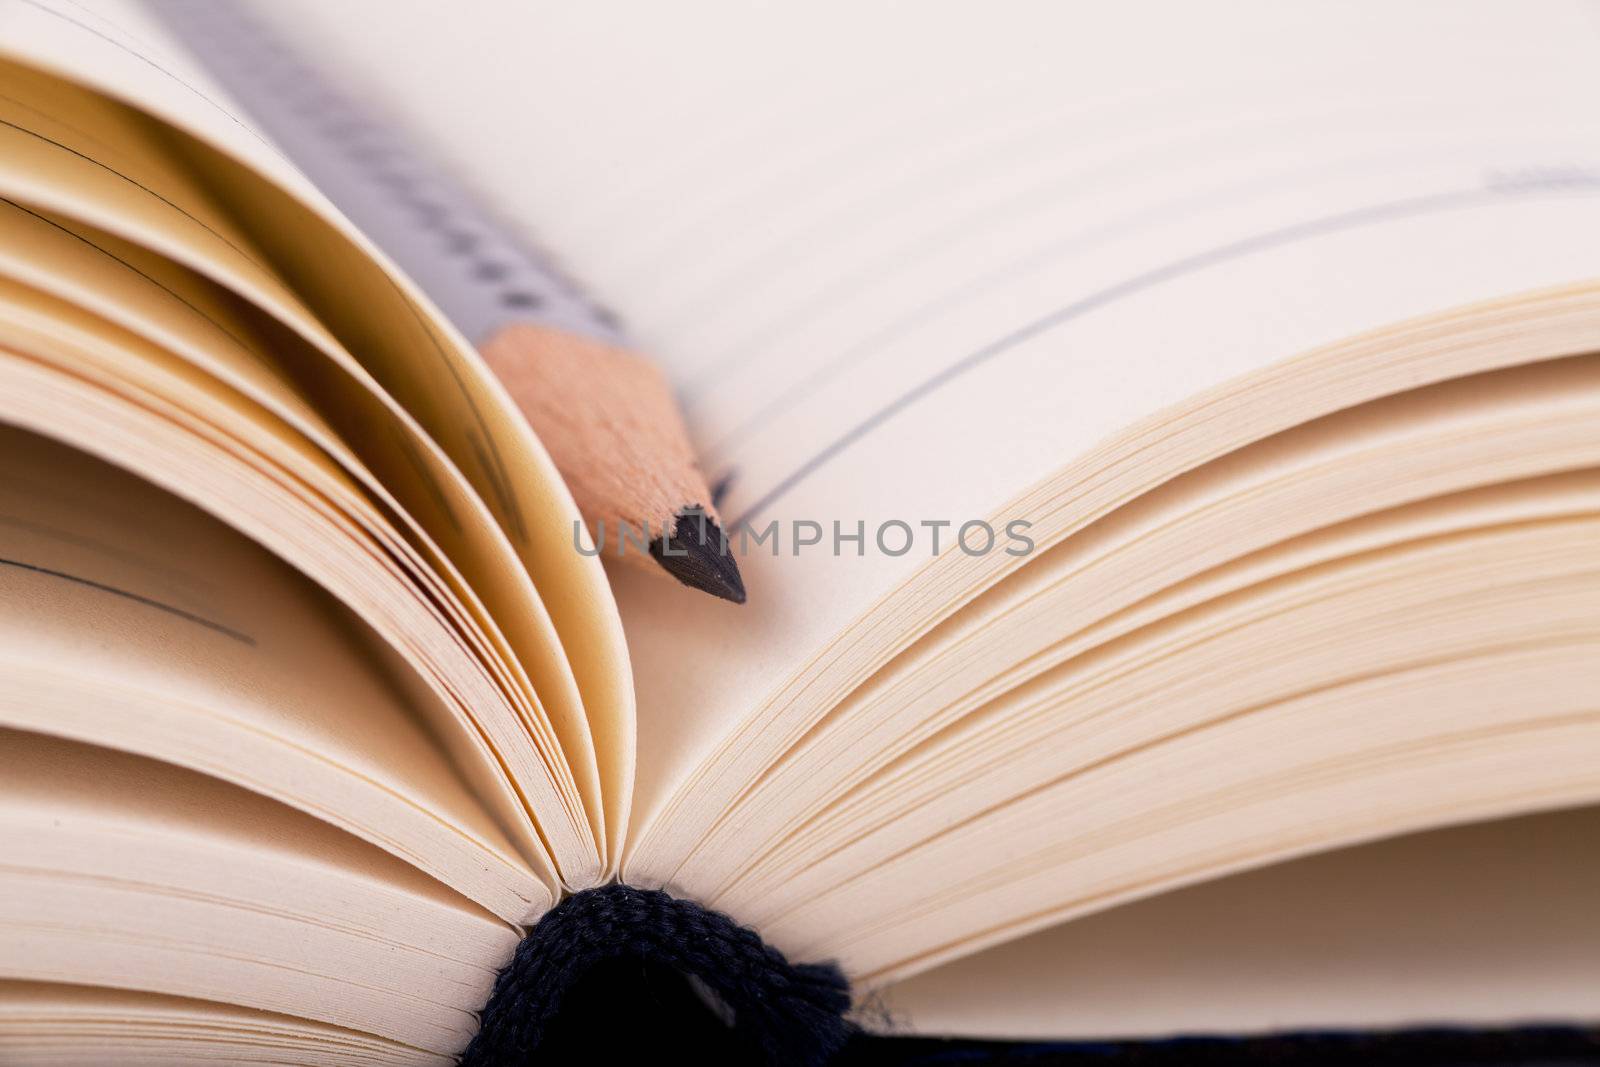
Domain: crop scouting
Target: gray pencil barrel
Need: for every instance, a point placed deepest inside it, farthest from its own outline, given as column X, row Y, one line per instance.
column 481, row 276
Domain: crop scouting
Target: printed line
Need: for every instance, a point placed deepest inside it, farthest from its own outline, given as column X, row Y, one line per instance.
column 188, row 616
column 485, row 452
column 55, row 120
column 235, row 338
column 1409, row 207
column 136, row 54
column 136, row 184
column 171, row 575
column 247, row 36
column 1032, row 259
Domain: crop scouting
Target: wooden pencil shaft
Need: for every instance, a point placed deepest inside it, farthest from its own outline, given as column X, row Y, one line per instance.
column 607, row 417
column 610, row 422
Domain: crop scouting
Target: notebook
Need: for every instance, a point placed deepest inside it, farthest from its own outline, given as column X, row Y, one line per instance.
column 1162, row 444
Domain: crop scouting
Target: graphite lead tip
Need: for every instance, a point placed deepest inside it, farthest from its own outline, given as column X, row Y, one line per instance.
column 698, row 555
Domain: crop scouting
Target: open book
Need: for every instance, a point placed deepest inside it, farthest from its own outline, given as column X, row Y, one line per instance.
column 1262, row 345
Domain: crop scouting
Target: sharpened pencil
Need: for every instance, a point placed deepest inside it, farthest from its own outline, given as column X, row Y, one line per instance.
column 613, row 428
column 606, row 414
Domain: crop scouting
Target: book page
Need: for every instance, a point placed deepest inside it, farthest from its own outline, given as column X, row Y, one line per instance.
column 398, row 338
column 911, row 262
column 305, row 377
column 132, row 873
column 1429, row 929
column 117, row 46
column 133, row 620
column 52, row 1023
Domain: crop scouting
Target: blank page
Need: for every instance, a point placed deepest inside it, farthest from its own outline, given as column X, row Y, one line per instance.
column 1484, row 925
column 132, row 619
column 909, row 261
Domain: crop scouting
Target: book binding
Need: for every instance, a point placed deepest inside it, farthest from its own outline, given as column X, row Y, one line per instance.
column 778, row 1012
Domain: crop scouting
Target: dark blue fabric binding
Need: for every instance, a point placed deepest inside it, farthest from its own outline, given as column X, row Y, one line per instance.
column 601, row 979
column 779, row 1013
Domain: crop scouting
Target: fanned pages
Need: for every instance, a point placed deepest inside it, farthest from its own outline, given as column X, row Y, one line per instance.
column 1161, row 446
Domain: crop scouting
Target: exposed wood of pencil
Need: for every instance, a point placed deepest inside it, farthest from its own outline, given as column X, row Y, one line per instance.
column 613, row 428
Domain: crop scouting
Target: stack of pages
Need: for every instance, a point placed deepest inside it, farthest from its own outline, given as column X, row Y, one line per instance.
column 1163, row 451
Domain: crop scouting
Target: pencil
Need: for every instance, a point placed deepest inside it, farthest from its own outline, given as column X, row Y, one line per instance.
column 606, row 414
column 613, row 428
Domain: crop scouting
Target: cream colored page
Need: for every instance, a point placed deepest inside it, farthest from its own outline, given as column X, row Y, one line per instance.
column 1433, row 928
column 907, row 261
column 115, row 45
column 808, row 214
column 54, row 1023
column 216, row 892
column 134, row 620
column 417, row 357
column 127, row 283
column 139, row 407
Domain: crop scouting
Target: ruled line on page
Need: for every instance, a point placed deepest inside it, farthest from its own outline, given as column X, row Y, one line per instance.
column 297, row 104
column 240, row 343
column 1079, row 242
column 143, row 58
column 137, row 598
column 1387, row 211
column 169, row 575
column 106, row 167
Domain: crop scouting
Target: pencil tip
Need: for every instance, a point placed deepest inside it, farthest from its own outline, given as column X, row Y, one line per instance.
column 697, row 554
